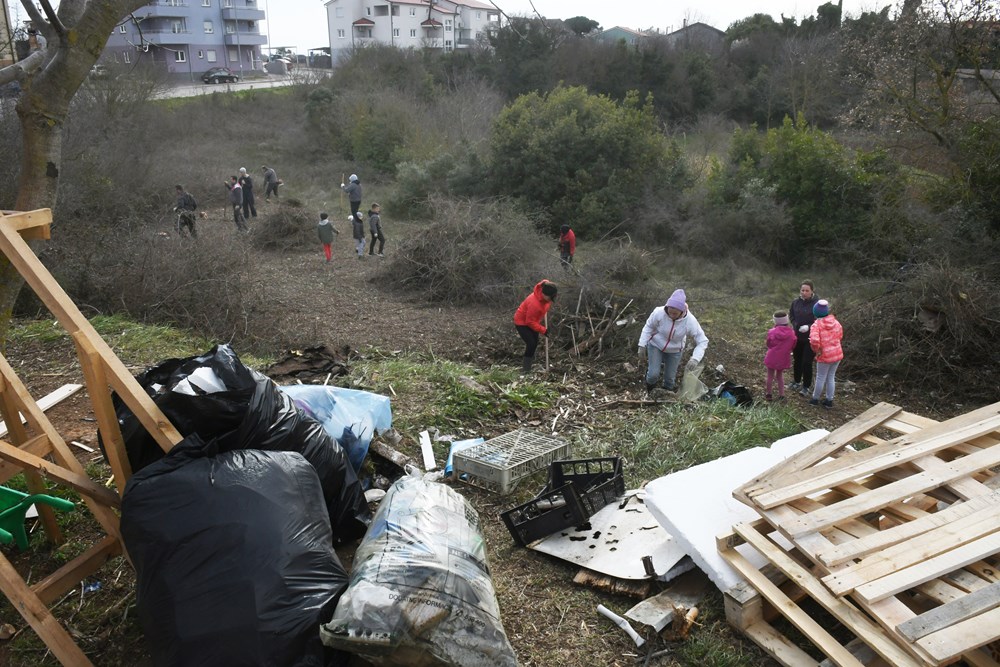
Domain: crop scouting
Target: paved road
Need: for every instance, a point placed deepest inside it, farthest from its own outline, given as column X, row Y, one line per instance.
column 266, row 81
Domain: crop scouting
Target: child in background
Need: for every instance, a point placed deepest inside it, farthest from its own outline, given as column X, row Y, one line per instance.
column 359, row 233
column 375, row 226
column 780, row 343
column 824, row 338
column 326, row 231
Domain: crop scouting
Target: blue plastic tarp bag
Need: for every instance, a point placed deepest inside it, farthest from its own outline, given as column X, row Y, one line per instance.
column 349, row 416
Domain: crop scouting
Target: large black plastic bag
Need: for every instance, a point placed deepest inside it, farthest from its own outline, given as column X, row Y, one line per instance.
column 421, row 593
column 234, row 558
column 251, row 413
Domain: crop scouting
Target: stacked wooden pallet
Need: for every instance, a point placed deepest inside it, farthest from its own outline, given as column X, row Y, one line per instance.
column 891, row 523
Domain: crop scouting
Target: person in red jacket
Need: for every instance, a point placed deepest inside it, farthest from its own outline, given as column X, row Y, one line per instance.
column 824, row 338
column 567, row 246
column 529, row 316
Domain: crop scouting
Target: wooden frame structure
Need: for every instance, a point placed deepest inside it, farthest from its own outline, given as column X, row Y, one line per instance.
column 36, row 449
column 899, row 540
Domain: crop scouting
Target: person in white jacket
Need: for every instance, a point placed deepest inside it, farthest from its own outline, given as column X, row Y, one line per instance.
column 663, row 338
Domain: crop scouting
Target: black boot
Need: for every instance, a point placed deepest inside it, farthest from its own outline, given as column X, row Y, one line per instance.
column 526, row 364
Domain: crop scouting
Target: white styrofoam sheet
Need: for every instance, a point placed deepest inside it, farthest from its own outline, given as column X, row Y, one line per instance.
column 697, row 504
column 616, row 541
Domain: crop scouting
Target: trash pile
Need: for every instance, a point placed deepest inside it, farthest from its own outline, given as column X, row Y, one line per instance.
column 232, row 532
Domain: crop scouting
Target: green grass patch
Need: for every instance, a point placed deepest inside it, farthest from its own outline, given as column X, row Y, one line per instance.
column 682, row 436
column 133, row 342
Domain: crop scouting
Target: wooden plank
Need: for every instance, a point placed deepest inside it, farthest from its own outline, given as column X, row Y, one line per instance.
column 63, row 580
column 900, row 450
column 104, row 411
column 948, row 644
column 39, row 618
column 791, row 611
column 931, row 568
column 863, row 546
column 47, row 402
column 22, row 220
column 778, row 646
column 81, row 483
column 63, row 309
column 916, row 550
column 851, row 617
column 947, row 615
column 894, row 492
column 820, row 450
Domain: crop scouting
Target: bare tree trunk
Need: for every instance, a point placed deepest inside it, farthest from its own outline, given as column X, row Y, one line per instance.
column 76, row 35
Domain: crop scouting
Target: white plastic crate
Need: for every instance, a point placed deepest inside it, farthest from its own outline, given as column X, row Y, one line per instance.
column 499, row 463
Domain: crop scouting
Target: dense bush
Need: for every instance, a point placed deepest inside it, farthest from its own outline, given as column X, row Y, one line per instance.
column 830, row 193
column 459, row 173
column 287, row 227
column 470, row 252
column 582, row 158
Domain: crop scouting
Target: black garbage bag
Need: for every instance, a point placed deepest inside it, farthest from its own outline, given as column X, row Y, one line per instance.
column 249, row 413
column 736, row 394
column 234, row 558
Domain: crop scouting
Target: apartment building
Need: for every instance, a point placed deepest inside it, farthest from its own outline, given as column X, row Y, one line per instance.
column 188, row 37
column 411, row 24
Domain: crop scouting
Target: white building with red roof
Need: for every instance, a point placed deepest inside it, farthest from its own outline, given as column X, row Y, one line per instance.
column 409, row 24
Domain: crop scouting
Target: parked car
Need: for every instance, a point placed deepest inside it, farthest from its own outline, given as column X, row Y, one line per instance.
column 220, row 75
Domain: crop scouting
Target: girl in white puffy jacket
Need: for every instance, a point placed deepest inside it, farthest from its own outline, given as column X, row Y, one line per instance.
column 663, row 339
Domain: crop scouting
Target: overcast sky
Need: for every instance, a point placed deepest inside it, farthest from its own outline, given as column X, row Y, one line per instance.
column 301, row 24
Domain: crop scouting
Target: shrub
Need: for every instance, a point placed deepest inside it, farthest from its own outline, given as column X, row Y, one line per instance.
column 470, row 252
column 829, row 192
column 580, row 157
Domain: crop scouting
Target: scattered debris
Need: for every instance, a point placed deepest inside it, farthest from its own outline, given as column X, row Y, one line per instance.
column 311, row 365
column 621, row 623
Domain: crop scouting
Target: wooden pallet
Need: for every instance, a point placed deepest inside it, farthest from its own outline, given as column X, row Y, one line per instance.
column 906, row 530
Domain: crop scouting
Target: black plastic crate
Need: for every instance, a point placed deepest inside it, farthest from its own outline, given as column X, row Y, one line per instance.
column 552, row 511
column 585, row 474
column 577, row 489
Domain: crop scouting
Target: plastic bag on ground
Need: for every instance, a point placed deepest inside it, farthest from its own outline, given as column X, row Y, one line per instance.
column 692, row 388
column 349, row 416
column 420, row 592
column 251, row 413
column 233, row 556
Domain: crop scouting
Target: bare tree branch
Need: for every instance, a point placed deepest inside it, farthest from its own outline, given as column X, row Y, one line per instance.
column 54, row 21
column 22, row 68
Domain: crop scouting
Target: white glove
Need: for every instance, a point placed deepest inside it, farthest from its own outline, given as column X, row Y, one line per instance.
column 342, row 185
column 692, row 364
column 804, row 328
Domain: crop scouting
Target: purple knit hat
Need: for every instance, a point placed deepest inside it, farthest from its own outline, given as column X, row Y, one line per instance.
column 677, row 300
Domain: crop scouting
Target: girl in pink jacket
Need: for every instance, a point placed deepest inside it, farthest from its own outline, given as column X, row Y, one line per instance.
column 824, row 339
column 780, row 343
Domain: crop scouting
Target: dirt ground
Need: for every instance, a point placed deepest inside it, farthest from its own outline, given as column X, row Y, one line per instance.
column 343, row 303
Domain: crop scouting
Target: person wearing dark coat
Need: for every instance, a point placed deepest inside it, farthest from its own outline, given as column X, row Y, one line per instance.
column 375, row 227
column 358, row 228
column 353, row 190
column 236, row 201
column 246, row 182
column 801, row 318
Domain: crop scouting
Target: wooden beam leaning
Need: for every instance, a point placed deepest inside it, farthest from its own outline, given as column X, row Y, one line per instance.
column 60, row 451
column 39, row 617
column 80, row 483
column 35, row 484
column 31, row 225
column 71, row 319
column 104, row 411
